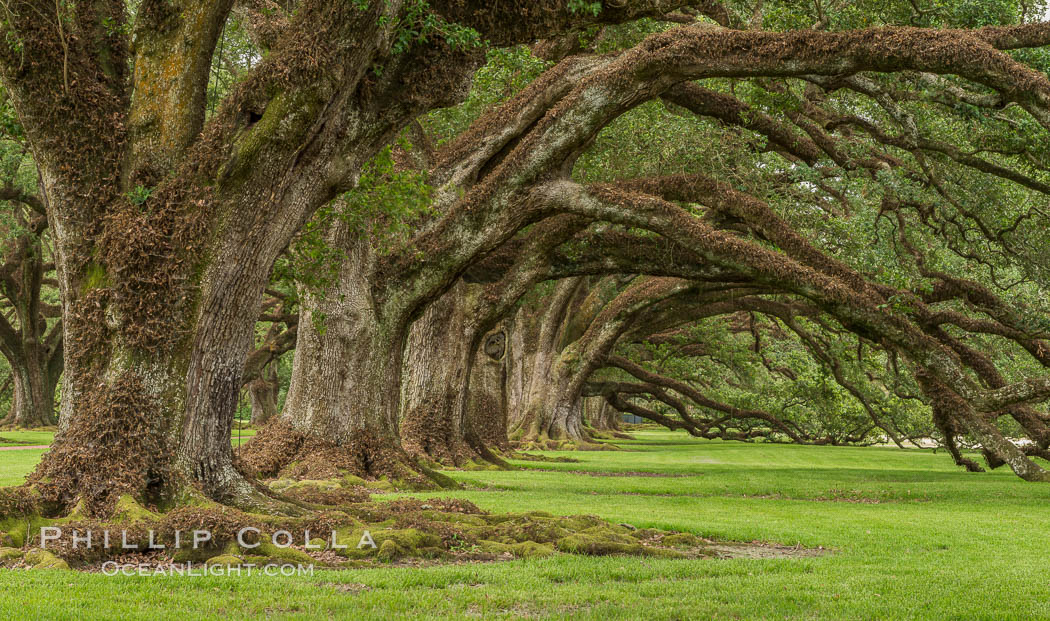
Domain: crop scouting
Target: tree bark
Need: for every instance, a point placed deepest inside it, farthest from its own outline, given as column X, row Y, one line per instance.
column 346, row 377
column 341, row 411
column 33, row 399
column 263, row 393
column 555, row 414
column 435, row 369
column 453, row 390
column 32, row 348
column 540, row 342
column 599, row 415
column 487, row 395
column 518, row 358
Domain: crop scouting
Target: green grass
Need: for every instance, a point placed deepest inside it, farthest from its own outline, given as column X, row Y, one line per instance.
column 20, row 438
column 15, row 465
column 928, row 541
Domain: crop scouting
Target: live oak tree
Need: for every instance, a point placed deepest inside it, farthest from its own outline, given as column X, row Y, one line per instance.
column 275, row 336
column 30, row 331
column 167, row 221
column 166, row 227
column 747, row 216
column 554, row 411
column 511, row 168
column 775, row 371
column 453, row 410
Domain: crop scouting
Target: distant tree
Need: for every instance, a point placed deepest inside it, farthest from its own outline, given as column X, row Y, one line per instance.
column 30, row 328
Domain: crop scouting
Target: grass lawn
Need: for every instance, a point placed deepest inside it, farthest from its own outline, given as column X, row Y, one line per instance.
column 15, row 465
column 22, row 438
column 913, row 537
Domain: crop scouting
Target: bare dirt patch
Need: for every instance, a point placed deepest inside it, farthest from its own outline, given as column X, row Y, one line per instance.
column 353, row 588
column 758, row 549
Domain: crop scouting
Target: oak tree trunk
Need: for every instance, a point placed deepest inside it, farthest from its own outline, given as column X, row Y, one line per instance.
column 453, row 403
column 486, row 407
column 341, row 411
column 599, row 415
column 435, row 371
column 541, row 333
column 556, row 414
column 34, row 384
column 263, row 393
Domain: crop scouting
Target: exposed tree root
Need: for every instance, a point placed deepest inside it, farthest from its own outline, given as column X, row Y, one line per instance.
column 438, row 445
column 486, row 453
column 583, row 440
column 428, row 436
column 278, row 450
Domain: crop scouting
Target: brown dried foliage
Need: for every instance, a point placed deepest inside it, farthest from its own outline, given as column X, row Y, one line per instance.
column 119, row 452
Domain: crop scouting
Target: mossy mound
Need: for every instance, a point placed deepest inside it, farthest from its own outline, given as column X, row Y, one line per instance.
column 267, row 551
column 602, row 434
column 525, row 549
column 604, row 545
column 434, row 530
column 17, row 529
column 42, row 559
column 127, row 511
column 348, row 535
column 681, row 540
column 479, row 464
column 226, row 560
column 561, row 459
column 170, row 534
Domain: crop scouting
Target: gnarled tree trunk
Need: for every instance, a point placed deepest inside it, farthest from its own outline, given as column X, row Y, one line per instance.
column 541, row 334
column 454, row 405
column 556, row 414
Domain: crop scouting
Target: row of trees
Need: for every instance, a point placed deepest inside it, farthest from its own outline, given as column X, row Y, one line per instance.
column 478, row 221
